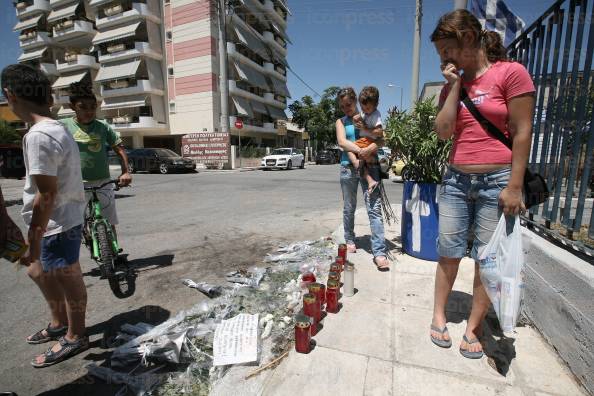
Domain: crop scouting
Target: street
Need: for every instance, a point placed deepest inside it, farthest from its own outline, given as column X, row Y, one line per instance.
column 173, row 226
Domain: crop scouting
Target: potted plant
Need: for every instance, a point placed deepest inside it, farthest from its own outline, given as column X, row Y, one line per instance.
column 411, row 136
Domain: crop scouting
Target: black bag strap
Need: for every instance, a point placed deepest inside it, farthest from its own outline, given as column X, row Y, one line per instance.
column 485, row 123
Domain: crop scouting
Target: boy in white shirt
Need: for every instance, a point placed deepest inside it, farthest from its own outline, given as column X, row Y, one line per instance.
column 53, row 206
column 369, row 124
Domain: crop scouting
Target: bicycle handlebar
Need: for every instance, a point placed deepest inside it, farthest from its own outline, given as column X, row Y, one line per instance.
column 97, row 188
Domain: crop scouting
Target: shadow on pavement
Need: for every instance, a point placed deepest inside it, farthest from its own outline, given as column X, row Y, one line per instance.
column 137, row 265
column 90, row 386
column 364, row 243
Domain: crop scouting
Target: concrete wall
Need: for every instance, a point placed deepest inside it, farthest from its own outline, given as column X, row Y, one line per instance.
column 559, row 300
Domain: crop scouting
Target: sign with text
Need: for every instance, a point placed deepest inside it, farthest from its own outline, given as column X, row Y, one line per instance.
column 206, row 147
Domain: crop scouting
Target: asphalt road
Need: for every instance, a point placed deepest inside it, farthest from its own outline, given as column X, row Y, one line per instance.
column 174, row 226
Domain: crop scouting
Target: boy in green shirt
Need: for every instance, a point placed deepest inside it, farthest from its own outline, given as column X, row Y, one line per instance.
column 93, row 136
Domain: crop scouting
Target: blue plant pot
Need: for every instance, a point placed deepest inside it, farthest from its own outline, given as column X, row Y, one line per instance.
column 420, row 220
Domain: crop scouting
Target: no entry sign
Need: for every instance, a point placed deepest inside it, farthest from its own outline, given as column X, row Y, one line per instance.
column 239, row 123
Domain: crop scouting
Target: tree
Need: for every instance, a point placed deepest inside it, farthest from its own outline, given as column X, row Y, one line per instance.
column 318, row 119
column 8, row 134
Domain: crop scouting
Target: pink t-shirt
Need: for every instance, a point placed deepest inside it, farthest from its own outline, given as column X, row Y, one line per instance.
column 490, row 93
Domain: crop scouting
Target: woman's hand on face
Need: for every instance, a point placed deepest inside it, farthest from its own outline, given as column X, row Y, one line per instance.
column 450, row 73
column 512, row 202
column 359, row 124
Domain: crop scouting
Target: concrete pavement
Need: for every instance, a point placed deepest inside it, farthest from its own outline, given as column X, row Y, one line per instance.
column 378, row 344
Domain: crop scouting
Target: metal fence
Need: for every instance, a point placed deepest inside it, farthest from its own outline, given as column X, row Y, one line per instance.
column 557, row 50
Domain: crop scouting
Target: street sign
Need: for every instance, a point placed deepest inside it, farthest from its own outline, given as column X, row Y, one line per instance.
column 239, row 123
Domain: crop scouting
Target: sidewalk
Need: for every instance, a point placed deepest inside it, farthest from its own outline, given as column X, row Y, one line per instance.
column 378, row 344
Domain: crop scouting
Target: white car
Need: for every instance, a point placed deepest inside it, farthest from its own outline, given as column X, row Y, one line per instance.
column 283, row 158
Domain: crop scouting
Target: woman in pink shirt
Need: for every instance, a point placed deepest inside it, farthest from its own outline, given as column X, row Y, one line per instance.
column 484, row 178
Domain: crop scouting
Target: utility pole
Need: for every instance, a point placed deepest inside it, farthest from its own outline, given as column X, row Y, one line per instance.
column 414, row 92
column 460, row 4
column 223, row 79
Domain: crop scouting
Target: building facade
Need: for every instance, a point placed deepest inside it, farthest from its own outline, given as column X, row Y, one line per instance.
column 154, row 64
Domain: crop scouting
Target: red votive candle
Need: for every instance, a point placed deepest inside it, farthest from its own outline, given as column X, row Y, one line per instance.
column 332, row 293
column 334, row 276
column 342, row 251
column 340, row 262
column 323, row 294
column 302, row 334
column 335, row 268
column 307, row 278
column 311, row 308
column 316, row 289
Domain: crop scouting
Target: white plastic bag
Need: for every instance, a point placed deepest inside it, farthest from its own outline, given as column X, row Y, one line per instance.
column 500, row 266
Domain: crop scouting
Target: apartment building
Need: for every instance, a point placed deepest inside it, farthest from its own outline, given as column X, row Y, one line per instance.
column 154, row 64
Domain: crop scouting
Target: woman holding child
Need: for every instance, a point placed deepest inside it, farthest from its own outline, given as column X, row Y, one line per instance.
column 359, row 166
column 484, row 178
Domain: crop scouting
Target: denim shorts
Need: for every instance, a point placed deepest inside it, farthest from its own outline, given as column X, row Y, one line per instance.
column 469, row 206
column 61, row 250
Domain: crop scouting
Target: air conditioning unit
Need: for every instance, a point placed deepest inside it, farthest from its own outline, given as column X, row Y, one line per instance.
column 70, row 57
column 122, row 120
column 116, row 48
column 119, row 84
column 113, row 10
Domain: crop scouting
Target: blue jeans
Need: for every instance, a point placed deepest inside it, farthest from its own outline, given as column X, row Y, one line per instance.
column 349, row 183
column 469, row 202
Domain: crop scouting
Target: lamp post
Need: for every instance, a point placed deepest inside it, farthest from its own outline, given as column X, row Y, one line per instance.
column 390, row 85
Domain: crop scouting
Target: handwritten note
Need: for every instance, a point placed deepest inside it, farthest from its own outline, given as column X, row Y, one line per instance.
column 236, row 340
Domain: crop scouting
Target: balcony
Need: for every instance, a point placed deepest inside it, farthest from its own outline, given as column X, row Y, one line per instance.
column 129, row 87
column 271, row 99
column 120, row 14
column 133, row 122
column 35, row 39
column 58, row 3
column 121, row 51
column 251, row 125
column 75, row 62
column 28, row 8
column 69, row 29
column 277, row 14
column 274, row 71
column 271, row 40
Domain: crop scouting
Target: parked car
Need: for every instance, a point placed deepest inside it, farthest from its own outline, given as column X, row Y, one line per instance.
column 325, row 157
column 398, row 166
column 158, row 160
column 113, row 158
column 283, row 158
column 384, row 160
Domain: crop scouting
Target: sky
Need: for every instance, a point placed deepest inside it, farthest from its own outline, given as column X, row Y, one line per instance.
column 344, row 43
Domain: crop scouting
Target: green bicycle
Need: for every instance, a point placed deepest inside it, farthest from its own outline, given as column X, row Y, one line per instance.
column 99, row 238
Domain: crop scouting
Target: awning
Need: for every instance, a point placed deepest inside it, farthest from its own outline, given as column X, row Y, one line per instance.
column 259, row 107
column 65, row 81
column 243, row 107
column 27, row 56
column 280, row 87
column 276, row 113
column 280, row 32
column 27, row 23
column 95, row 3
column 250, row 75
column 123, row 102
column 249, row 38
column 115, row 34
column 121, row 70
column 62, row 13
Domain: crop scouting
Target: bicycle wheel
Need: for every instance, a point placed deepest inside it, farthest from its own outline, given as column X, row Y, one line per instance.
column 106, row 255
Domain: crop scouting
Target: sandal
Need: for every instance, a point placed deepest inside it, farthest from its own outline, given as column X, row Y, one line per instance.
column 67, row 350
column 441, row 343
column 381, row 268
column 52, row 335
column 466, row 353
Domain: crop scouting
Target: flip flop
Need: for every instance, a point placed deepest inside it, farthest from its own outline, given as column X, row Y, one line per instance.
column 437, row 341
column 52, row 335
column 380, row 268
column 69, row 349
column 471, row 355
